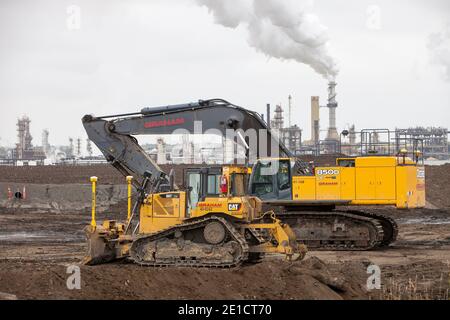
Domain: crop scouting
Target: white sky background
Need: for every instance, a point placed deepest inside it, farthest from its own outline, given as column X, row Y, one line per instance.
column 132, row 54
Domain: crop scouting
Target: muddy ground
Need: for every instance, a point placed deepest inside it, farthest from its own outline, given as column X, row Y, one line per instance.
column 438, row 186
column 106, row 174
column 37, row 247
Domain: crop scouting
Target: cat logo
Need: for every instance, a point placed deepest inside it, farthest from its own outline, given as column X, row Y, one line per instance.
column 234, row 206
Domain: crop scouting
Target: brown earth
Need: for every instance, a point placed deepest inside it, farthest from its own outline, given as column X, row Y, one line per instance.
column 417, row 265
column 438, row 185
column 64, row 174
column 60, row 174
column 310, row 279
column 36, row 248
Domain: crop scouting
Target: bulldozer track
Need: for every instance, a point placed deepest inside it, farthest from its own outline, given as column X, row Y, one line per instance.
column 382, row 230
column 191, row 225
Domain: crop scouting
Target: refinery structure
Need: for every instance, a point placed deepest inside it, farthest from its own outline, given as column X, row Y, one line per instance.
column 432, row 142
column 27, row 153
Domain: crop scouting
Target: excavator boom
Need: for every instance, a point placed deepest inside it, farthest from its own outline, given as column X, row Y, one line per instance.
column 113, row 135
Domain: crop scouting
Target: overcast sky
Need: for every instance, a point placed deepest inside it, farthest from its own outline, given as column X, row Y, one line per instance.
column 130, row 54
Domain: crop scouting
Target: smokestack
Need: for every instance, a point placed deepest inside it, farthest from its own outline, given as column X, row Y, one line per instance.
column 332, row 105
column 71, row 148
column 290, row 110
column 161, row 157
column 352, row 135
column 78, row 147
column 45, row 143
column 268, row 115
column 89, row 147
column 315, row 120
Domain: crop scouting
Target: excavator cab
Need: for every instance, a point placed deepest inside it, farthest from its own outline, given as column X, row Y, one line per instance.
column 271, row 179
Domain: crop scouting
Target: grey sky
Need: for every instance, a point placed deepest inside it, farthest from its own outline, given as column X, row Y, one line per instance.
column 131, row 54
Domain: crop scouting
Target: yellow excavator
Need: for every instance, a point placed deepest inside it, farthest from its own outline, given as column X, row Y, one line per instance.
column 210, row 221
column 323, row 204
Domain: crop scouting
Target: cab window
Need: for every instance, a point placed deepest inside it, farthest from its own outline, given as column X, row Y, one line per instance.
column 194, row 184
column 213, row 184
column 262, row 184
column 238, row 184
column 349, row 163
column 283, row 176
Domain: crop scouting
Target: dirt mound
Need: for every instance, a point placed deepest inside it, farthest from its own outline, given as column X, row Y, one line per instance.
column 60, row 174
column 67, row 174
column 310, row 279
column 60, row 198
column 438, row 185
column 36, row 247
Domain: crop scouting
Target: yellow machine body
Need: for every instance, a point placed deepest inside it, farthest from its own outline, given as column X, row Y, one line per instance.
column 163, row 210
column 365, row 181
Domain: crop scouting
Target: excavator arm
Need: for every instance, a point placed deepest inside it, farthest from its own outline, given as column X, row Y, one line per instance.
column 113, row 135
column 124, row 153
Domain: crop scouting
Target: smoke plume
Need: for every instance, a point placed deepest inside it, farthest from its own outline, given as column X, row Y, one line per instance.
column 439, row 46
column 282, row 29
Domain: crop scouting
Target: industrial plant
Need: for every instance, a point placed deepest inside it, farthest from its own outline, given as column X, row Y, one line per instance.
column 27, row 154
column 325, row 139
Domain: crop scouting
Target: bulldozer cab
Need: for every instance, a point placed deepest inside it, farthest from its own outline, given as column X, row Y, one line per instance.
column 201, row 183
column 271, row 179
column 211, row 182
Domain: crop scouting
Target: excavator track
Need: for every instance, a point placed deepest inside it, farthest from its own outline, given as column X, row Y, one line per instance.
column 184, row 246
column 341, row 230
column 390, row 227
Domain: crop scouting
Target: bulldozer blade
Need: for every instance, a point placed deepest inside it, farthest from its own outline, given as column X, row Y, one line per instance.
column 99, row 249
column 300, row 252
